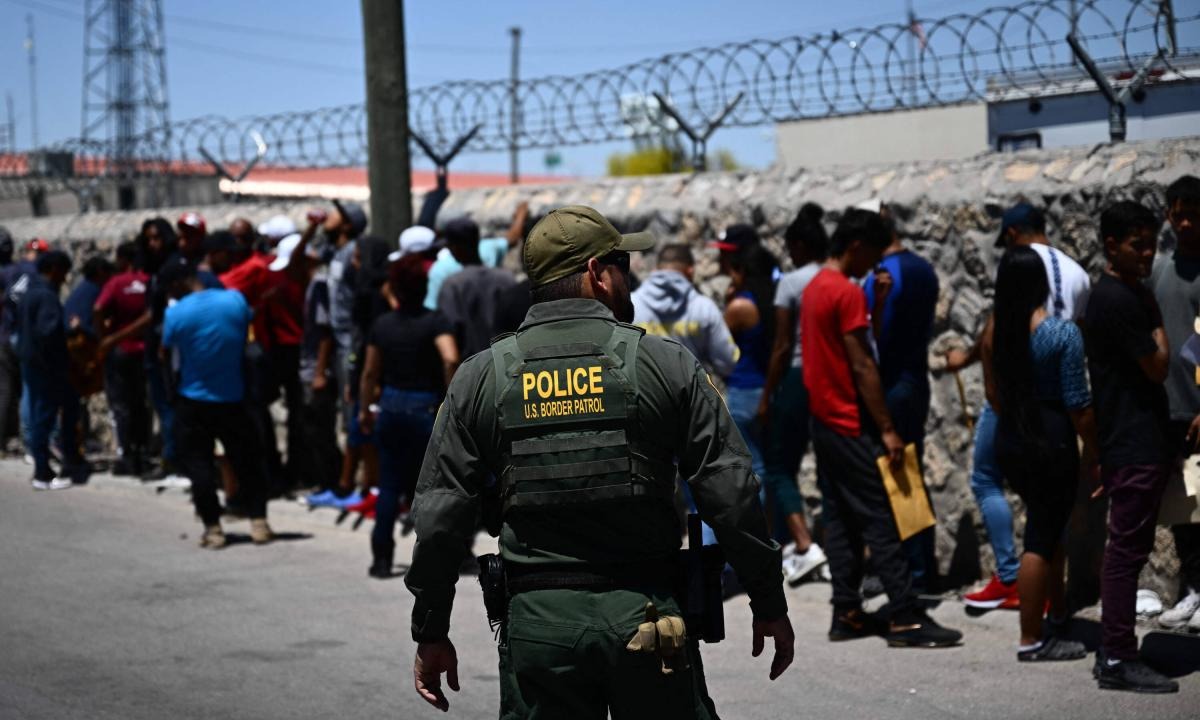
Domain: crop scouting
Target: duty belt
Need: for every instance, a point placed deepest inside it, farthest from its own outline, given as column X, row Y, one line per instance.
column 528, row 578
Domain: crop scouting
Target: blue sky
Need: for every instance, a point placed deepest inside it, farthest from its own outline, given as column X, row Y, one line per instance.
column 241, row 57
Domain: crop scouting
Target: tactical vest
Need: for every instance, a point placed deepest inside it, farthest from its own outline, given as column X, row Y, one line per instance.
column 568, row 420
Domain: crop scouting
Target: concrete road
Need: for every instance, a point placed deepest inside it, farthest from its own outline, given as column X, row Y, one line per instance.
column 109, row 610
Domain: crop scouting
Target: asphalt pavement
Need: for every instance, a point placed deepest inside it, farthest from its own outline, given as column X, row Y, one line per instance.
column 109, row 610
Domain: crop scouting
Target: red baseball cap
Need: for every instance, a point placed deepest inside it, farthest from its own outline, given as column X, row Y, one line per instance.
column 38, row 245
column 192, row 220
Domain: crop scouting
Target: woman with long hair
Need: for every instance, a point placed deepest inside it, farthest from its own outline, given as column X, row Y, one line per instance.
column 750, row 315
column 411, row 356
column 1039, row 390
column 783, row 407
column 155, row 243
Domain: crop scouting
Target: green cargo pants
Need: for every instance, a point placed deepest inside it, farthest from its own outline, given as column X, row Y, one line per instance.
column 566, row 658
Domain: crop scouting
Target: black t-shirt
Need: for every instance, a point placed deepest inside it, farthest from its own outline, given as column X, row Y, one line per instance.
column 410, row 358
column 1131, row 409
column 514, row 304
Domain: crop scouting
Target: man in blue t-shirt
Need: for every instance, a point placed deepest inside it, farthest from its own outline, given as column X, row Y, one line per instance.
column 902, row 295
column 205, row 330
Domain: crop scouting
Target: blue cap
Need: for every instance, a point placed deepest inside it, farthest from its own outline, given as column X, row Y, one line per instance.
column 1023, row 216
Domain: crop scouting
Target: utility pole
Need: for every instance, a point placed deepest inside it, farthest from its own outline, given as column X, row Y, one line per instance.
column 515, row 106
column 33, row 121
column 388, row 166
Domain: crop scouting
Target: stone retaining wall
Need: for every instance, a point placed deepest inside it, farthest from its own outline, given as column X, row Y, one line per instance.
column 948, row 212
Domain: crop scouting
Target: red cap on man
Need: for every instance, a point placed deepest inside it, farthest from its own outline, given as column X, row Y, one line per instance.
column 192, row 221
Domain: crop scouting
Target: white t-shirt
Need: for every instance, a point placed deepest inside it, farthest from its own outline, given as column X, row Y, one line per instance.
column 1069, row 283
column 787, row 295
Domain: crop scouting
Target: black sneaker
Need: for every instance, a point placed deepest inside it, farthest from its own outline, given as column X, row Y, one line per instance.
column 916, row 629
column 1053, row 649
column 854, row 624
column 1132, row 675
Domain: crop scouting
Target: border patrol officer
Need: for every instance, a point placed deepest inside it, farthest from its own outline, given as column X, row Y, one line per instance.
column 570, row 432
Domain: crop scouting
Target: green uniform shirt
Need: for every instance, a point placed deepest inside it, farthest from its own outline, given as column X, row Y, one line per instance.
column 679, row 410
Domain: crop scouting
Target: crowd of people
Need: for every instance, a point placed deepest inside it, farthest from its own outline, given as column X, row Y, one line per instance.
column 836, row 352
column 193, row 335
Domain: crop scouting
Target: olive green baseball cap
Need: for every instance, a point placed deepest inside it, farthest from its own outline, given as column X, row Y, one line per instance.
column 562, row 243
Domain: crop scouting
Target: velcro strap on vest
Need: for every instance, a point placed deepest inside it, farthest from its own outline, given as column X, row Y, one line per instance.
column 537, row 446
column 650, row 468
column 622, row 491
column 547, row 352
column 568, row 470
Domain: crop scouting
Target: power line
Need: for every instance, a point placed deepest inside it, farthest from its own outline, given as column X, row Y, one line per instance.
column 262, row 58
column 322, row 39
column 52, row 9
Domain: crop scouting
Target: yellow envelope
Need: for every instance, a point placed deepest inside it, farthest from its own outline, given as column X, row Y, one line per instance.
column 906, row 491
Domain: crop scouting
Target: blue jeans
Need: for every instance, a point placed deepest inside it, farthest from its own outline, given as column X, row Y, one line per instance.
column 162, row 406
column 402, row 432
column 908, row 404
column 25, row 415
column 743, row 404
column 987, row 484
column 45, row 391
column 783, row 451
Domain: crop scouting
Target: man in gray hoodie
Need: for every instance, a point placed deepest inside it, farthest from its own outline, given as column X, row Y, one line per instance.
column 667, row 304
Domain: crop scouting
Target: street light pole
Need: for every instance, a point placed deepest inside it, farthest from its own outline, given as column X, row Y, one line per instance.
column 388, row 169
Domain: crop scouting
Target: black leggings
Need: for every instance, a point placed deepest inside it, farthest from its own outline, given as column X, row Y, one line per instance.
column 1044, row 474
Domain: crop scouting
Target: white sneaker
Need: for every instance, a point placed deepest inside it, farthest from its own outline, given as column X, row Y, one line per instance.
column 53, row 484
column 797, row 566
column 1148, row 604
column 1184, row 611
column 177, row 482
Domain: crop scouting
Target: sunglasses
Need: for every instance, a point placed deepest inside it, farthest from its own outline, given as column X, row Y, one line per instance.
column 616, row 258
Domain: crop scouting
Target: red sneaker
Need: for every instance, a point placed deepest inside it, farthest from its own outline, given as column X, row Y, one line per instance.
column 367, row 505
column 1013, row 602
column 993, row 595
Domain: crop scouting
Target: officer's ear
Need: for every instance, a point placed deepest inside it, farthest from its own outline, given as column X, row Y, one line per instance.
column 594, row 279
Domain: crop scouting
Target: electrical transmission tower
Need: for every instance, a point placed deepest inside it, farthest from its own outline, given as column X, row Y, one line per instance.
column 125, row 88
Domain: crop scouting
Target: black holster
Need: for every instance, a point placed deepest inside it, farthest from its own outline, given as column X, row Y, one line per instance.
column 495, row 588
column 703, row 600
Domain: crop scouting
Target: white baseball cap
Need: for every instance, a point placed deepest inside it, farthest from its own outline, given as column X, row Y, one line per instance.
column 277, row 227
column 873, row 205
column 283, row 252
column 416, row 239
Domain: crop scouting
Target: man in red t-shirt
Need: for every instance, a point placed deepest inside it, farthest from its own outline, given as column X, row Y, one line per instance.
column 843, row 381
column 122, row 303
column 274, row 287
